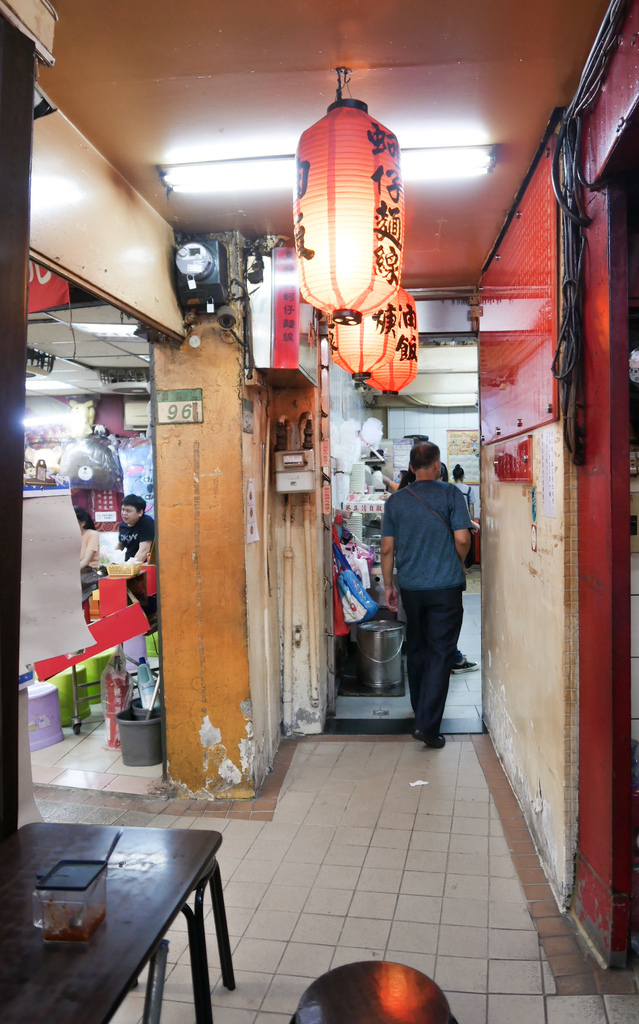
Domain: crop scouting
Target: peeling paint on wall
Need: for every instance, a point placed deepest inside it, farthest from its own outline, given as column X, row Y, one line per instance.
column 209, row 735
column 246, row 707
column 247, row 752
column 230, row 772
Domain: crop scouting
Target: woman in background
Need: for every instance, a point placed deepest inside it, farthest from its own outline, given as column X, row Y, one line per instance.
column 89, row 556
column 458, row 480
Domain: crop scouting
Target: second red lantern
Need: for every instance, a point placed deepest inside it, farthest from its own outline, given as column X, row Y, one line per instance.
column 348, row 213
column 401, row 369
column 357, row 349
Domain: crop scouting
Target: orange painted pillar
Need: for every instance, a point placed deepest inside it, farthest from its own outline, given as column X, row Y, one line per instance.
column 202, row 575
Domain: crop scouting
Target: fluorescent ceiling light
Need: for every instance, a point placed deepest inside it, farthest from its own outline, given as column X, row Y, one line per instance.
column 446, row 163
column 46, row 384
column 256, row 174
column 278, row 172
column 109, row 330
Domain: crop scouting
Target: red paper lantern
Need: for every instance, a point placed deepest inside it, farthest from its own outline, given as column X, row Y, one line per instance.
column 401, row 369
column 357, row 349
column 349, row 213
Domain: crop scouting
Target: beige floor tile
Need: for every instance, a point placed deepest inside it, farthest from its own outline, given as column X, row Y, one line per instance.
column 264, row 1017
column 461, row 940
column 510, row 915
column 271, row 924
column 285, row 993
column 502, row 867
column 354, row 954
column 578, row 1010
column 319, row 928
column 248, row 994
column 519, row 977
column 467, row 863
column 432, row 822
column 227, row 1015
column 172, row 1013
column 436, row 805
column 419, row 908
column 262, row 955
column 426, row 860
column 422, row 883
column 178, row 986
column 359, row 930
column 306, row 958
column 391, row 838
column 622, row 1009
column 504, row 1009
column 506, row 890
column 550, row 988
column 392, row 819
column 267, row 849
column 468, row 826
column 237, row 828
column 473, row 913
column 380, row 879
column 466, row 887
column 468, row 1007
column 509, row 944
column 343, row 877
column 359, row 817
column 461, row 974
column 346, row 856
column 437, row 842
column 413, row 937
column 384, row 857
column 285, row 897
column 255, row 871
column 238, row 919
column 352, row 835
column 335, row 902
column 296, row 874
column 380, row 905
column 498, row 847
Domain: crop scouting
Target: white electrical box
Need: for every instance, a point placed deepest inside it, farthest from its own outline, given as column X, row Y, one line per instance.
column 295, row 471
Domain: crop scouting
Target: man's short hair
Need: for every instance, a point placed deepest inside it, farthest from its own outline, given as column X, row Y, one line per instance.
column 424, row 455
column 135, row 501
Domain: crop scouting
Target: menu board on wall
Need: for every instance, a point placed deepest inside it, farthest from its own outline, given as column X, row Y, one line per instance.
column 463, row 450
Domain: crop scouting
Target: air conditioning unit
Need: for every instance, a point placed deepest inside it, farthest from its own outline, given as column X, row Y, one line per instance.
column 123, row 381
column 136, row 414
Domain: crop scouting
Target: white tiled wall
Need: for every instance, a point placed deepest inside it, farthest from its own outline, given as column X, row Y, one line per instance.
column 434, row 422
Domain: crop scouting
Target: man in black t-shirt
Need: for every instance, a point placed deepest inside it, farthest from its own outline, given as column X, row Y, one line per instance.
column 136, row 531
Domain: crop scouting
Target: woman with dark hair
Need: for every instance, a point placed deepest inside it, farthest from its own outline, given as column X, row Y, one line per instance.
column 89, row 556
column 458, row 480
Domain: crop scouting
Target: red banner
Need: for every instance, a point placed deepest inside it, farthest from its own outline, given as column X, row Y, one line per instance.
column 286, row 305
column 46, row 290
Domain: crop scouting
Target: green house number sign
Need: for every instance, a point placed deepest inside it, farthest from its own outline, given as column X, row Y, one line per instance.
column 179, row 406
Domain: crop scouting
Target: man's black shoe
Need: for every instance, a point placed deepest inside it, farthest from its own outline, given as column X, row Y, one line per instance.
column 436, row 741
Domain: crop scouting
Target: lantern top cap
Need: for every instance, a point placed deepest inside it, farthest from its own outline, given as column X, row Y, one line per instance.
column 357, row 104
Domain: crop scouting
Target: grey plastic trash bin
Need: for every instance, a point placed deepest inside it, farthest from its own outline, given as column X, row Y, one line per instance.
column 141, row 741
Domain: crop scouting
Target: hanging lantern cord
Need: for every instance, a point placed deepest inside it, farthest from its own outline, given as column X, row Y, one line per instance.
column 343, row 78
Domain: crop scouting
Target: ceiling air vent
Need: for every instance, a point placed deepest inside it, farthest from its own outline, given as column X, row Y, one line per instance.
column 124, row 381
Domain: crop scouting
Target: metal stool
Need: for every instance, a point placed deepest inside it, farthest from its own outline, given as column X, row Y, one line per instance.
column 370, row 992
column 197, row 937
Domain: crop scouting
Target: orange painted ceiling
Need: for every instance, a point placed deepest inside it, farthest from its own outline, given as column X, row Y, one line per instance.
column 154, row 81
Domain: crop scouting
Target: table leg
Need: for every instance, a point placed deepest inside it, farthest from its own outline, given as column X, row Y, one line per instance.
column 199, row 961
column 155, row 985
column 221, row 928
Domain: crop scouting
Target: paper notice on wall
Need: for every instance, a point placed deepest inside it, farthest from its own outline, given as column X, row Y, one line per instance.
column 251, row 519
column 548, row 474
column 51, row 617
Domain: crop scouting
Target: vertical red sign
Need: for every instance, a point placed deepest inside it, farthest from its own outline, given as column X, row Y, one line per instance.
column 286, row 305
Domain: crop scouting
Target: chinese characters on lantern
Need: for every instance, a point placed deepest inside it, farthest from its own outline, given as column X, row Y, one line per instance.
column 389, row 214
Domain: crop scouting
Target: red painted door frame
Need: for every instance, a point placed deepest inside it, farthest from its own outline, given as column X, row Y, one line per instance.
column 603, row 867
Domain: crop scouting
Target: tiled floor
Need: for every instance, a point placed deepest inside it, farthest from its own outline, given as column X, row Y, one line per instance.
column 357, row 863
column 81, row 761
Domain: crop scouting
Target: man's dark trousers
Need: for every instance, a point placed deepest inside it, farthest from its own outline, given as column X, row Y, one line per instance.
column 433, row 624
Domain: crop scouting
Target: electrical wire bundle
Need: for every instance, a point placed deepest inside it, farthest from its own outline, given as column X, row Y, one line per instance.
column 567, row 181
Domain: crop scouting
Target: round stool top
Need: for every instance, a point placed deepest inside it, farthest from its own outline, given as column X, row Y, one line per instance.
column 371, row 992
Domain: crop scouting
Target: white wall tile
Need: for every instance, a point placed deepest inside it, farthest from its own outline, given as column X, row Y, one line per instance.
column 411, row 421
column 634, row 687
column 634, row 572
column 634, row 626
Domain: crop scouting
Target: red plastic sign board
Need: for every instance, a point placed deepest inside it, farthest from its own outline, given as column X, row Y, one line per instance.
column 286, row 309
column 46, row 290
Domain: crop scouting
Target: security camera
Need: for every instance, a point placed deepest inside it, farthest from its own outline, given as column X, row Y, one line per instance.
column 226, row 318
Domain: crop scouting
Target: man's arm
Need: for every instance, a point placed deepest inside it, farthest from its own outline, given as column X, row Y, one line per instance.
column 462, row 543
column 388, row 562
column 142, row 553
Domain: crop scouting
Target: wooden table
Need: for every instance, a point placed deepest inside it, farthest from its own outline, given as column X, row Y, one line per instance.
column 150, row 876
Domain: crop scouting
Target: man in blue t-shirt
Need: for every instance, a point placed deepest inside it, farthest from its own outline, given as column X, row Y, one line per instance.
column 426, row 533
